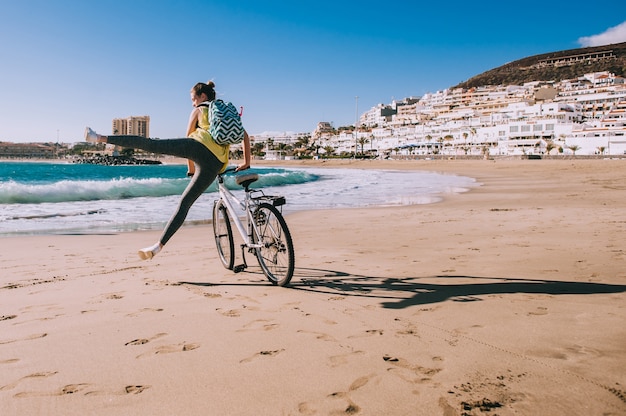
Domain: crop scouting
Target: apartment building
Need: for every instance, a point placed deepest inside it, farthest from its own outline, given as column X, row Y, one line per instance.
column 134, row 125
column 585, row 113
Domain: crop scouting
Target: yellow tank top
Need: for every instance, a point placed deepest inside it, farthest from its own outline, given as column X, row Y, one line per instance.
column 202, row 135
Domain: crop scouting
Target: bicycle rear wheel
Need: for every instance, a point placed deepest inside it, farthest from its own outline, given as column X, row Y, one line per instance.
column 276, row 255
column 223, row 231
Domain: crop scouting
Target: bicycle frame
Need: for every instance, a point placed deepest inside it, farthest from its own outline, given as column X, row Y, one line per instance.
column 229, row 198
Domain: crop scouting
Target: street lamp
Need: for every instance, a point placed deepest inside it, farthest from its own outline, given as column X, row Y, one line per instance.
column 356, row 123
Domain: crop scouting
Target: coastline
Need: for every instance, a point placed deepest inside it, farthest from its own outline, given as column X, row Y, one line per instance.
column 508, row 297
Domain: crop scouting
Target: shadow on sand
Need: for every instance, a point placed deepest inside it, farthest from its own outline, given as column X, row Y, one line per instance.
column 398, row 293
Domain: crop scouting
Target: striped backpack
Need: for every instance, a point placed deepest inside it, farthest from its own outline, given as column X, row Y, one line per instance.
column 225, row 123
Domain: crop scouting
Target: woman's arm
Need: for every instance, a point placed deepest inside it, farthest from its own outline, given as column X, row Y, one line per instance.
column 191, row 127
column 246, row 152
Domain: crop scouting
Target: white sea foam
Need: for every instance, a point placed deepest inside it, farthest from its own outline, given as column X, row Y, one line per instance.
column 334, row 188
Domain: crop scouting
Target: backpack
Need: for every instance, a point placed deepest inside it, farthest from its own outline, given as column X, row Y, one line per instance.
column 225, row 123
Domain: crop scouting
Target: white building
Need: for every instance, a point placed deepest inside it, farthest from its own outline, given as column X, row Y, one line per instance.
column 586, row 114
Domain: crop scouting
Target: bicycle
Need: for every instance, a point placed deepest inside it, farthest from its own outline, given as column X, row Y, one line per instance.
column 265, row 232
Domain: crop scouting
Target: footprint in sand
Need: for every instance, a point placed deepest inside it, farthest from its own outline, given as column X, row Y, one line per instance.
column 168, row 349
column 141, row 341
column 140, row 311
column 360, row 382
column 65, row 390
column 318, row 335
column 410, row 329
column 351, row 408
column 137, row 342
column 540, row 311
column 423, row 373
column 259, row 324
column 130, row 389
column 135, row 389
column 28, row 338
column 115, row 296
column 368, row 333
column 89, row 311
column 231, row 313
column 7, row 317
column 30, row 376
column 73, row 388
column 342, row 359
column 305, row 408
column 262, row 354
column 212, row 295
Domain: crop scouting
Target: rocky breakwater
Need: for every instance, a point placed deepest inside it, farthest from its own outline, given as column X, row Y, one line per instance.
column 116, row 160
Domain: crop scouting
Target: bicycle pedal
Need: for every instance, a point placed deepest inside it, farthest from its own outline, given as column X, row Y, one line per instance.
column 239, row 268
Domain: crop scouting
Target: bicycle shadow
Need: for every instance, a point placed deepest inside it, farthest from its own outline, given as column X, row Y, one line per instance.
column 399, row 293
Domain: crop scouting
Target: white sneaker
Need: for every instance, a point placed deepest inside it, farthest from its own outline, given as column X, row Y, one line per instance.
column 149, row 252
column 145, row 254
column 90, row 135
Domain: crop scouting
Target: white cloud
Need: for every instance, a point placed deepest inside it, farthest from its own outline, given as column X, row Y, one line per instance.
column 615, row 34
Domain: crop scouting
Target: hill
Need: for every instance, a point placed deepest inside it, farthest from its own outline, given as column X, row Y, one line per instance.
column 555, row 66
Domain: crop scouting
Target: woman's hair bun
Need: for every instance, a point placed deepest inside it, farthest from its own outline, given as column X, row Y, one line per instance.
column 210, row 84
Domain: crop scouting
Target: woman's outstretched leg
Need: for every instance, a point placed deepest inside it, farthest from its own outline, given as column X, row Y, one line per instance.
column 207, row 167
column 186, row 148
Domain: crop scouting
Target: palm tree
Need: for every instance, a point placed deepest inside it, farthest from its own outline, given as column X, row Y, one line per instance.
column 601, row 149
column 303, row 141
column 473, row 133
column 362, row 141
column 449, row 138
column 329, row 151
column 465, row 148
column 549, row 146
column 440, row 141
column 283, row 148
column 257, row 149
column 574, row 148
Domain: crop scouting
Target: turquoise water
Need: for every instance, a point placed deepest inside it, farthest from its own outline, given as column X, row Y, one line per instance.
column 44, row 198
column 33, row 183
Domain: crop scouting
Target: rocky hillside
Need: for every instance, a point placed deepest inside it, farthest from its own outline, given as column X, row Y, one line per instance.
column 555, row 66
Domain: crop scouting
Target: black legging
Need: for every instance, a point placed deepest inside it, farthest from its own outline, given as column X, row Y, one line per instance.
column 207, row 168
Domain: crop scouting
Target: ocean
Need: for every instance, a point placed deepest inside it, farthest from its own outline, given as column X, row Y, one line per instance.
column 63, row 198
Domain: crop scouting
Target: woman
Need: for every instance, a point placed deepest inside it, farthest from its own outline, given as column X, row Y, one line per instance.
column 205, row 158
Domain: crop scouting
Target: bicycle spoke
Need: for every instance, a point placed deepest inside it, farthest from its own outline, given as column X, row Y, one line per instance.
column 275, row 255
column 223, row 235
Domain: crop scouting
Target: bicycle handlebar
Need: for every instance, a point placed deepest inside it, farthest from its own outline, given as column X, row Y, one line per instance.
column 230, row 169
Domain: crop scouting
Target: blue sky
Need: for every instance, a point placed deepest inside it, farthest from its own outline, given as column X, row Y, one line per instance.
column 67, row 64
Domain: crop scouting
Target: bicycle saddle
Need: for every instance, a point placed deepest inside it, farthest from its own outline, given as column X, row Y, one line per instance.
column 246, row 180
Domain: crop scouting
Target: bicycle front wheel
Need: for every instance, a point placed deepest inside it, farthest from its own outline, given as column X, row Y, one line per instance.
column 223, row 231
column 276, row 255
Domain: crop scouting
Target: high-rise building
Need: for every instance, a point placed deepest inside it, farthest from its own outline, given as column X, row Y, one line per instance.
column 134, row 125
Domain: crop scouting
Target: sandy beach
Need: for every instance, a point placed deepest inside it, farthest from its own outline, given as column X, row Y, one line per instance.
column 509, row 299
